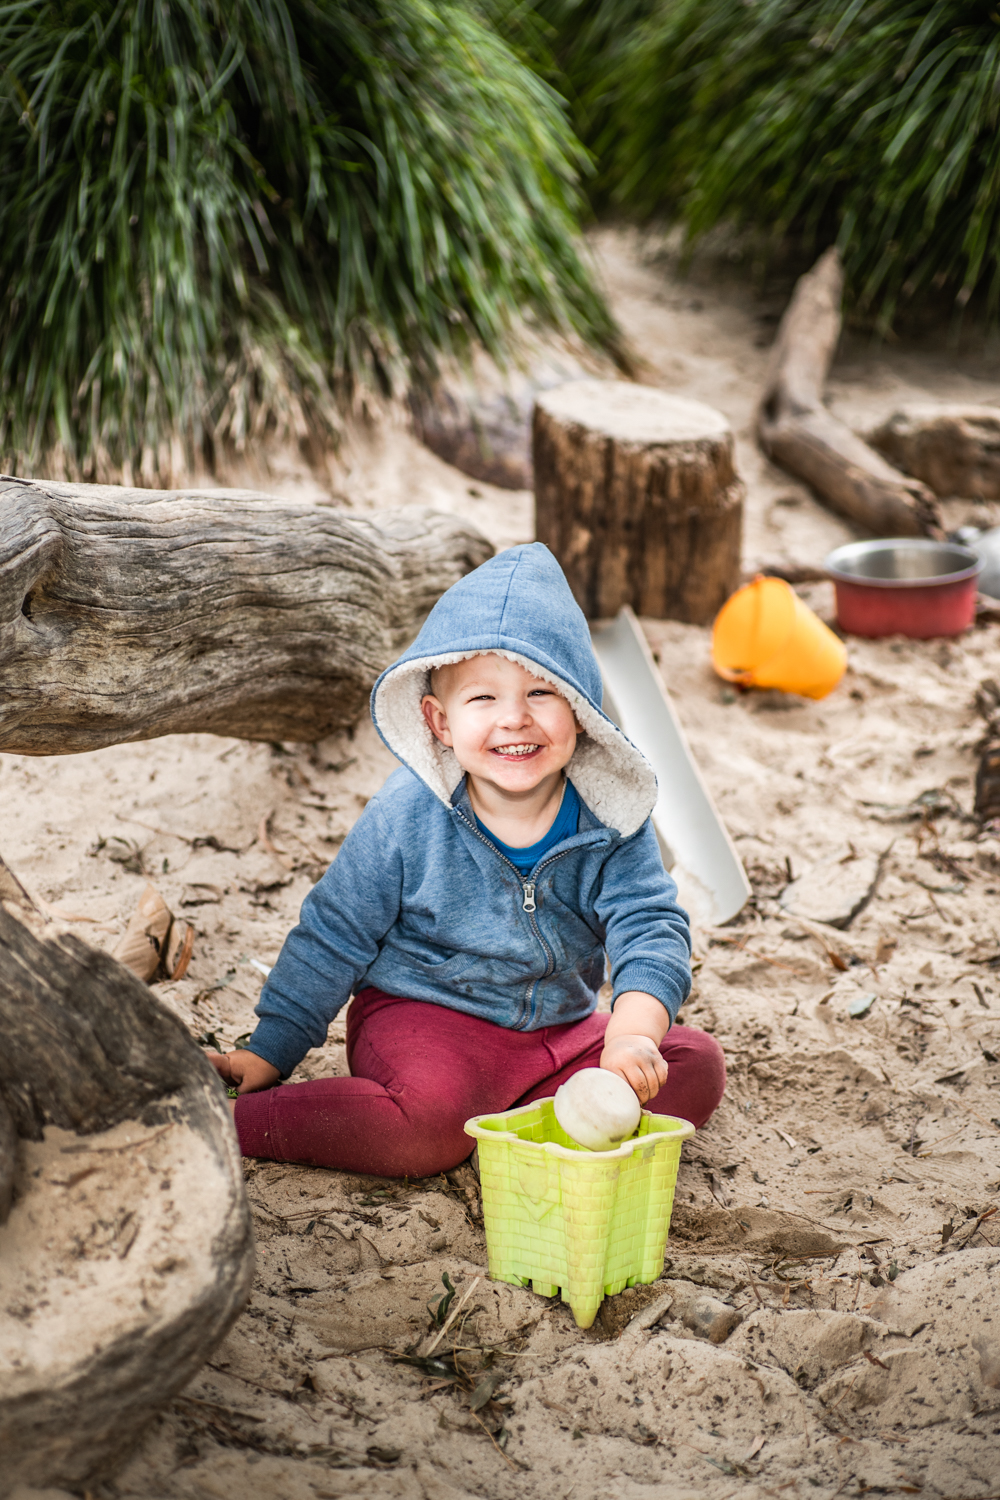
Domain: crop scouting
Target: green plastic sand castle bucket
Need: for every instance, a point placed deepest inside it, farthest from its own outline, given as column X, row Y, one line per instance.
column 561, row 1217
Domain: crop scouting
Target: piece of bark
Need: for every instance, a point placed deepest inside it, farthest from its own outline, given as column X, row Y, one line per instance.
column 637, row 496
column 796, row 430
column 128, row 1251
column 142, row 945
column 987, row 804
column 987, row 797
column 155, row 941
column 126, row 614
column 954, row 449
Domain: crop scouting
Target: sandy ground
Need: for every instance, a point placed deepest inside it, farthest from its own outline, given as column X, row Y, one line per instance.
column 843, row 1199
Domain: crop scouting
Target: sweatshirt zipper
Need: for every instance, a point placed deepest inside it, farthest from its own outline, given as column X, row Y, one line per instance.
column 528, row 888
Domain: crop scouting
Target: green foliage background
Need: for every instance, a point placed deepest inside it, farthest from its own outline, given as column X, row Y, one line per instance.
column 222, row 214
column 872, row 123
column 225, row 216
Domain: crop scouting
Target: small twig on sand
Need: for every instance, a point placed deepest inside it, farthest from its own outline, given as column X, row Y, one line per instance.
column 753, row 1283
column 181, row 838
column 264, row 837
column 740, row 944
column 508, row 1461
column 936, row 904
column 452, row 1316
column 988, row 1214
column 836, row 959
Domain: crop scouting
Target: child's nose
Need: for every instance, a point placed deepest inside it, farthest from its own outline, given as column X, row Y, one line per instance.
column 515, row 715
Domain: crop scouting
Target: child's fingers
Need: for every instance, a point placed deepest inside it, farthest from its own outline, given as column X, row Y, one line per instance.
column 251, row 1073
column 652, row 1085
column 653, row 1070
column 220, row 1062
column 640, row 1074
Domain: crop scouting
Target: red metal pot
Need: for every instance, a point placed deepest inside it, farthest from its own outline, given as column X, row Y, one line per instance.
column 905, row 586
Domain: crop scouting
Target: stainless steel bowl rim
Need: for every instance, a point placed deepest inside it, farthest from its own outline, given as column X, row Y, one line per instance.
column 974, row 563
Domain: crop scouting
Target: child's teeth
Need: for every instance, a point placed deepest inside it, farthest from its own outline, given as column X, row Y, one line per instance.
column 516, row 749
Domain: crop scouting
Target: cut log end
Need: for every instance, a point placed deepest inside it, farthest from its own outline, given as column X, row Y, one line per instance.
column 637, row 496
column 127, row 1247
column 625, row 413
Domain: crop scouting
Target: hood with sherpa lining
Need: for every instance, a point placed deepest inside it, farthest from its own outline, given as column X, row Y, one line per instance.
column 517, row 605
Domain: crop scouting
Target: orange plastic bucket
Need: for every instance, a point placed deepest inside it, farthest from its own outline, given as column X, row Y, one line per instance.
column 765, row 637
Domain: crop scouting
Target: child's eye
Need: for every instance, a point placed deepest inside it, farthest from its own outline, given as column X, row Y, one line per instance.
column 540, row 693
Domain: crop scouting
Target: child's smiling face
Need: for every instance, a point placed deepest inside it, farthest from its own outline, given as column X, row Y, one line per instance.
column 505, row 726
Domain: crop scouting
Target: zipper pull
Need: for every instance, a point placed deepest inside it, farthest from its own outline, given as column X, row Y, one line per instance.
column 529, row 896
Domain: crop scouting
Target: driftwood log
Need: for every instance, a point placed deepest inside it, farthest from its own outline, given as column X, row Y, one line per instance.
column 796, row 430
column 637, row 496
column 126, row 614
column 126, row 1242
column 954, row 449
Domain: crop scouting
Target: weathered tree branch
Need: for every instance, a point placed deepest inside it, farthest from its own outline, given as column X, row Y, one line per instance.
column 126, row 614
column 797, row 431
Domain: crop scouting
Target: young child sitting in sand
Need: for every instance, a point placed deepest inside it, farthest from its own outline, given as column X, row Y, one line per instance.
column 477, row 904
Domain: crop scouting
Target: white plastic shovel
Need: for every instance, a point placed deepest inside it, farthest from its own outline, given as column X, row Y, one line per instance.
column 696, row 847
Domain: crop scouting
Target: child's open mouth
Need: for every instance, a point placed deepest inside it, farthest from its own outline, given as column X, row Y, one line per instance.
column 515, row 752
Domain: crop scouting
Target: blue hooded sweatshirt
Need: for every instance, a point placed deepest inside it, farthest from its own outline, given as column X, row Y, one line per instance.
column 420, row 903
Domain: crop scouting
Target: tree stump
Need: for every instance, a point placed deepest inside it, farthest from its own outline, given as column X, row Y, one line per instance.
column 125, row 1235
column 636, row 495
column 126, row 614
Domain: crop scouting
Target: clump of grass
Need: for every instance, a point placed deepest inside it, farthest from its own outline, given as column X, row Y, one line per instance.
column 872, row 123
column 226, row 216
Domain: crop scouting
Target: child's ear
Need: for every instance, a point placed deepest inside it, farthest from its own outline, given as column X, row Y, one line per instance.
column 437, row 719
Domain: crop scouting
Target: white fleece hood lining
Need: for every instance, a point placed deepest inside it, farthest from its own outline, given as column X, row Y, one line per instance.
column 614, row 779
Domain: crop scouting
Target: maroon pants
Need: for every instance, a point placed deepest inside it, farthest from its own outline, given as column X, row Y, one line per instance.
column 419, row 1071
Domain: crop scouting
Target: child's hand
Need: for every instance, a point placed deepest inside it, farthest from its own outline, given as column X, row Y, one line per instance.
column 244, row 1070
column 632, row 1043
column 638, row 1060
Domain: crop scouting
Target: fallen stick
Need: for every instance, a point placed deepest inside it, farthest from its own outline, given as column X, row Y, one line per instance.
column 796, row 430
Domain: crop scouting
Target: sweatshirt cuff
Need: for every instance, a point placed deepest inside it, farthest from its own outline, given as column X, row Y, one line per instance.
column 280, row 1043
column 653, row 980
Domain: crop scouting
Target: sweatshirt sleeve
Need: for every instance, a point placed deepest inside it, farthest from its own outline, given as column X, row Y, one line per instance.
column 342, row 922
column 647, row 935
